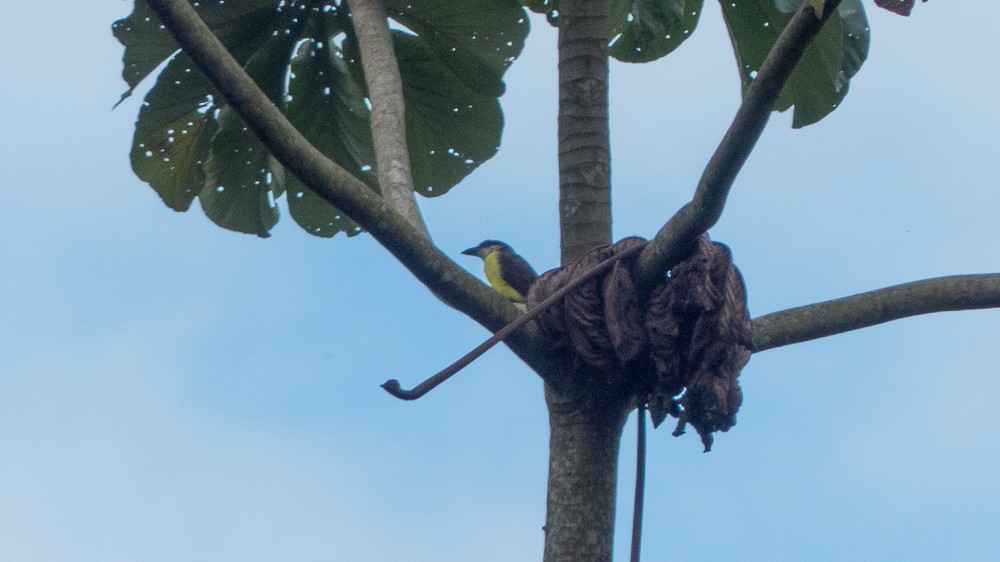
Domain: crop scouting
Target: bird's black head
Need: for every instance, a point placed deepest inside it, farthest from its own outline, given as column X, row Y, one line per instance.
column 485, row 247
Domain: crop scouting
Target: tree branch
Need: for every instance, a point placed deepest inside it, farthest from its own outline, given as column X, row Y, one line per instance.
column 385, row 92
column 453, row 284
column 673, row 241
column 959, row 292
column 393, row 387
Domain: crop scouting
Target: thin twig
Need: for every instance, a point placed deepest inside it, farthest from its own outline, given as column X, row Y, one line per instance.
column 668, row 247
column 804, row 323
column 388, row 118
column 393, row 387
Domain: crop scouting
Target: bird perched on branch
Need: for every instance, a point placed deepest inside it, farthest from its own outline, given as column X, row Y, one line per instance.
column 508, row 273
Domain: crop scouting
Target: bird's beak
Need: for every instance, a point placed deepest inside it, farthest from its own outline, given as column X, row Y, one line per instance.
column 471, row 251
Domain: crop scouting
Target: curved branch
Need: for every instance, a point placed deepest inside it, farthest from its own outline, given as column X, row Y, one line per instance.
column 393, row 387
column 674, row 240
column 453, row 284
column 958, row 292
column 385, row 91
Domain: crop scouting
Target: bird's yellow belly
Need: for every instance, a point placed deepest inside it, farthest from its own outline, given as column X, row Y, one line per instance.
column 495, row 277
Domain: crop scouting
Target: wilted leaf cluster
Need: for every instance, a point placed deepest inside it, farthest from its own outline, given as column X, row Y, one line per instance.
column 680, row 350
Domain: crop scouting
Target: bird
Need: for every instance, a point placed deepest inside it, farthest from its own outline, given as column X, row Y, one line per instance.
column 508, row 273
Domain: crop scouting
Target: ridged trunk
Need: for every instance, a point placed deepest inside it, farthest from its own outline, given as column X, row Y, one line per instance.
column 586, row 427
column 584, row 151
column 583, row 473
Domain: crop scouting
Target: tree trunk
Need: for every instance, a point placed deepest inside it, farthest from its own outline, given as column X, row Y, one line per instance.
column 584, row 145
column 583, row 470
column 585, row 423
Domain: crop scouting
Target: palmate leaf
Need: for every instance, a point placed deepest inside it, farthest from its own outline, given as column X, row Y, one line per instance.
column 240, row 189
column 173, row 134
column 303, row 54
column 455, row 126
column 821, row 79
column 147, row 43
column 476, row 39
column 645, row 30
column 327, row 104
column 639, row 30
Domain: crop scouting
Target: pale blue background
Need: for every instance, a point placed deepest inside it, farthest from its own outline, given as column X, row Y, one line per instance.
column 173, row 391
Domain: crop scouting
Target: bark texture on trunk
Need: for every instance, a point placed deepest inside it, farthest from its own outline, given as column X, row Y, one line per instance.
column 584, row 146
column 583, row 471
column 585, row 423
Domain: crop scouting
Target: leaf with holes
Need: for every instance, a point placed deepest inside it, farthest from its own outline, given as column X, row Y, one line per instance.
column 452, row 58
column 327, row 104
column 451, row 127
column 238, row 193
column 173, row 133
column 821, row 79
column 147, row 44
column 646, row 30
column 476, row 39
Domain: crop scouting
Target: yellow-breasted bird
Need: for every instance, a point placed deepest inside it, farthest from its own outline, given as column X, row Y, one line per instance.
column 508, row 273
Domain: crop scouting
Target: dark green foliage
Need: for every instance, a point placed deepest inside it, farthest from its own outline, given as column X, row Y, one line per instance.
column 645, row 30
column 452, row 56
column 303, row 54
column 820, row 81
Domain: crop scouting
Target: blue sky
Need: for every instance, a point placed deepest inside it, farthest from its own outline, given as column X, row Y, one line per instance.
column 170, row 390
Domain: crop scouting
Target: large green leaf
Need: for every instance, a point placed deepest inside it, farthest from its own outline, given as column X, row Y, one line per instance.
column 650, row 29
column 173, row 134
column 639, row 30
column 240, row 189
column 327, row 104
column 238, row 192
column 451, row 127
column 147, row 43
column 821, row 79
column 303, row 54
column 476, row 39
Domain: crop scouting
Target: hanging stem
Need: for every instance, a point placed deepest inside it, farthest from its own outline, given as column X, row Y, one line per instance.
column 640, row 481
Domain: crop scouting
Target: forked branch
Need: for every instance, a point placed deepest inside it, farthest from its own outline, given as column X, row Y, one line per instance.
column 674, row 240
